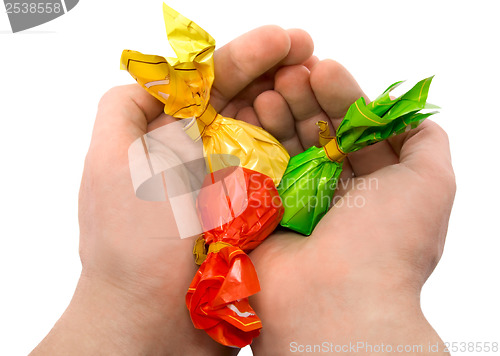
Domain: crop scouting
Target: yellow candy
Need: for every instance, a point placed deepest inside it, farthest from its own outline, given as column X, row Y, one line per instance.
column 183, row 84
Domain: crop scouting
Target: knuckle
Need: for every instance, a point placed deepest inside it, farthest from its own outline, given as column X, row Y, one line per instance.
column 325, row 68
column 115, row 93
column 440, row 131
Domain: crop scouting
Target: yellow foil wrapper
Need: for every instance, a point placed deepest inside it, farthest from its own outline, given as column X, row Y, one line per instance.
column 183, row 84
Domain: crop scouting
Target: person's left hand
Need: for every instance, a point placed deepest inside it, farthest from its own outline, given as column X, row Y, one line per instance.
column 357, row 279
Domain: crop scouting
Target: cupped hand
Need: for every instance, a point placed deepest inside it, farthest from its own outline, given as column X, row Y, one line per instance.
column 358, row 277
column 126, row 254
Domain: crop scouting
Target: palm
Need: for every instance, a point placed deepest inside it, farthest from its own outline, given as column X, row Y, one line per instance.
column 370, row 232
column 147, row 229
column 133, row 243
column 268, row 78
column 125, row 241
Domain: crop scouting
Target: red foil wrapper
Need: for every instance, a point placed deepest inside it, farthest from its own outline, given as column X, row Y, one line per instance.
column 246, row 208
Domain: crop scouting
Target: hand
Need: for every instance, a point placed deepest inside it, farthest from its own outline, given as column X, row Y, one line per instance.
column 130, row 297
column 358, row 277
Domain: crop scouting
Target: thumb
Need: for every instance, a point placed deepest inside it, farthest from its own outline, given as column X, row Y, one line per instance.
column 426, row 150
column 124, row 113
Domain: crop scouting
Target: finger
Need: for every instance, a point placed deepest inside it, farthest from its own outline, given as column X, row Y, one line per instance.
column 426, row 150
column 276, row 118
column 162, row 120
column 249, row 115
column 397, row 141
column 301, row 47
column 253, row 54
column 372, row 158
column 293, row 84
column 336, row 90
column 244, row 59
column 311, row 62
column 247, row 96
column 124, row 113
column 271, row 105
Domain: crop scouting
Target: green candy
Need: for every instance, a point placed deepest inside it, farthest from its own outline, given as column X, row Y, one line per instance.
column 310, row 179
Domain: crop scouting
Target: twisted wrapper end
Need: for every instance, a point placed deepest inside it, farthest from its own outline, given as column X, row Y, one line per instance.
column 182, row 83
column 217, row 298
column 195, row 129
column 329, row 143
column 324, row 133
column 200, row 251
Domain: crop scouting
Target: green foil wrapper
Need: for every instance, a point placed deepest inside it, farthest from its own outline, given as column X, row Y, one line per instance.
column 310, row 180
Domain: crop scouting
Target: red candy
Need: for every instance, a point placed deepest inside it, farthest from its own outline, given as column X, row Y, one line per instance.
column 239, row 209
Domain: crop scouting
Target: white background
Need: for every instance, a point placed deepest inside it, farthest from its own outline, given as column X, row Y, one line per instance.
column 51, row 78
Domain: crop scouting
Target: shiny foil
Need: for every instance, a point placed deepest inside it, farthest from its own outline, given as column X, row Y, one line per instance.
column 308, row 185
column 183, row 84
column 217, row 298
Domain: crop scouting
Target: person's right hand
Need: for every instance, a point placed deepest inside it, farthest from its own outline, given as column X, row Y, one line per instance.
column 358, row 277
column 135, row 269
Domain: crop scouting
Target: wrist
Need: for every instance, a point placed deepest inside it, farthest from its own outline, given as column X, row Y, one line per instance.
column 362, row 318
column 385, row 310
column 399, row 327
column 104, row 319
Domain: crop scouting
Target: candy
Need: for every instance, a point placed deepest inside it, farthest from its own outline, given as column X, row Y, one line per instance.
column 310, row 180
column 238, row 204
column 183, row 84
column 217, row 298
